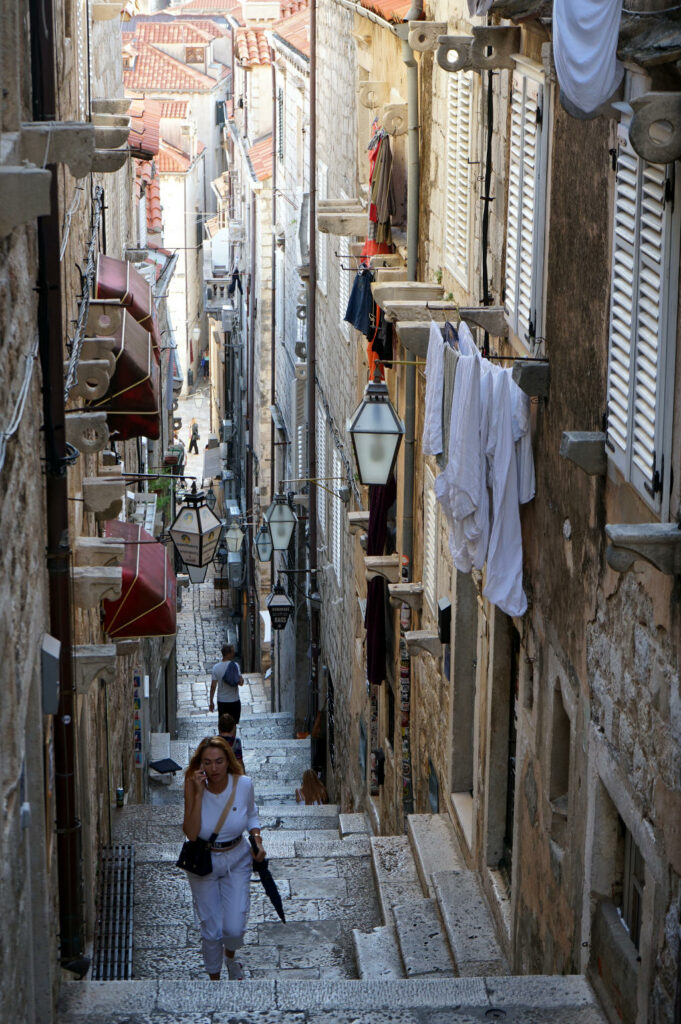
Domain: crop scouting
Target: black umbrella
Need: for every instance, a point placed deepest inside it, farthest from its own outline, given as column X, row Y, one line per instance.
column 269, row 885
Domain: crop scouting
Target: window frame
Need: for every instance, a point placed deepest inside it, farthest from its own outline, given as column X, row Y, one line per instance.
column 343, row 282
column 336, row 532
column 321, row 468
column 322, row 237
column 431, row 529
column 458, row 187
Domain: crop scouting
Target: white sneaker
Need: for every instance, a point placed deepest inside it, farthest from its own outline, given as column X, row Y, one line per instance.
column 234, row 969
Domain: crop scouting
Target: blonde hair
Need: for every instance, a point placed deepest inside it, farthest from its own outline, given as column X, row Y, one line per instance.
column 233, row 766
column 312, row 788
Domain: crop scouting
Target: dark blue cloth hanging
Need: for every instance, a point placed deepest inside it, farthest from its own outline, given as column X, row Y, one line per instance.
column 360, row 303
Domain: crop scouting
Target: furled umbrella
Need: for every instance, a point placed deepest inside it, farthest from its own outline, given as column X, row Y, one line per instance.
column 269, row 885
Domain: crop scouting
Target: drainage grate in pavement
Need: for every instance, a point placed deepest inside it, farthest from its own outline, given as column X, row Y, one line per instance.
column 112, row 958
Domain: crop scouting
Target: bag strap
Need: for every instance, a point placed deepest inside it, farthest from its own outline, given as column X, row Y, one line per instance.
column 225, row 811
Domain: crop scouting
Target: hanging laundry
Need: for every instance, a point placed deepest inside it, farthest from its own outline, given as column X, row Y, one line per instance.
column 381, row 498
column 381, row 344
column 450, row 359
column 478, row 7
column 432, row 419
column 382, row 202
column 360, row 302
column 585, row 36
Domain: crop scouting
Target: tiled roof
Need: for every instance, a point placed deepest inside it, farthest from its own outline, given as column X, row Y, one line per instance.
column 389, row 10
column 291, row 7
column 251, row 46
column 175, row 109
column 208, row 7
column 154, row 70
column 172, row 160
column 169, row 32
column 260, row 157
column 294, row 30
column 145, row 174
column 145, row 116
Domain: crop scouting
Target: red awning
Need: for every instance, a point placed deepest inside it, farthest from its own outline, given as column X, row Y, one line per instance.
column 118, row 279
column 148, row 603
column 133, row 402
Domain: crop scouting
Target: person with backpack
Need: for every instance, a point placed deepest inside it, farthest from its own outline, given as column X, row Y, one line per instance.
column 194, row 438
column 226, row 678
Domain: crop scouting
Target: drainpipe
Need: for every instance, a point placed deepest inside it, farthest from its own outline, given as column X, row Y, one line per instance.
column 50, row 327
column 274, row 705
column 252, row 625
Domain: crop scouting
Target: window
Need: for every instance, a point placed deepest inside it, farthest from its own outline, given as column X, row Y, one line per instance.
column 645, row 268
column 321, row 467
column 633, row 881
column 194, row 54
column 526, row 204
column 322, row 239
column 299, row 426
column 336, row 516
column 559, row 783
column 430, row 538
column 458, row 206
column 343, row 280
column 280, row 125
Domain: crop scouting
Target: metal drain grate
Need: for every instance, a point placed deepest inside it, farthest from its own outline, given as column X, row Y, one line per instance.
column 112, row 958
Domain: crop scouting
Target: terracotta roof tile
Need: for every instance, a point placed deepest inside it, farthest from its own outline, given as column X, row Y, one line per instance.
column 172, row 160
column 170, row 32
column 208, row 7
column 154, row 70
column 390, row 10
column 251, row 46
column 175, row 109
column 295, row 30
column 260, row 157
column 291, row 7
column 145, row 116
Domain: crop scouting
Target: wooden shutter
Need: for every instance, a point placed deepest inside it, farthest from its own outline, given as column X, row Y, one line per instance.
column 457, row 204
column 642, row 320
column 526, row 201
column 336, row 514
column 321, row 467
column 343, row 279
column 430, row 528
column 299, row 423
column 322, row 238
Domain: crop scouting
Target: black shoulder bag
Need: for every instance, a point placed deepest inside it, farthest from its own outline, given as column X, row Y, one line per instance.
column 195, row 853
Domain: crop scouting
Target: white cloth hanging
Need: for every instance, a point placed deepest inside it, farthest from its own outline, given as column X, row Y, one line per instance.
column 585, row 34
column 478, row 7
column 432, row 419
column 520, row 413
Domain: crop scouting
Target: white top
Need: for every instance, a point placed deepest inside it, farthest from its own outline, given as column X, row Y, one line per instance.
column 243, row 815
column 226, row 692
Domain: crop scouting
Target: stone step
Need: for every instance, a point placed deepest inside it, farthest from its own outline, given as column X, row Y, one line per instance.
column 468, row 924
column 354, row 825
column 395, row 873
column 435, row 847
column 377, row 953
column 551, row 1000
column 423, row 944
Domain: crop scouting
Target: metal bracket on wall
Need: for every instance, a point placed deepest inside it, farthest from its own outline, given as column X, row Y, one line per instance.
column 472, row 51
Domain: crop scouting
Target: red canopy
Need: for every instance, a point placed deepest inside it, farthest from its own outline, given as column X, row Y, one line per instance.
column 118, row 279
column 148, row 603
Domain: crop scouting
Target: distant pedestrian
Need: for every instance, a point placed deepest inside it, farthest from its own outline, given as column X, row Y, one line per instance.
column 226, row 678
column 227, row 729
column 312, row 789
column 194, row 438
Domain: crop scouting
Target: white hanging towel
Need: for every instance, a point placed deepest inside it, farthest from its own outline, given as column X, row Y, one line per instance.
column 504, row 578
column 478, row 6
column 432, row 425
column 520, row 412
column 585, row 34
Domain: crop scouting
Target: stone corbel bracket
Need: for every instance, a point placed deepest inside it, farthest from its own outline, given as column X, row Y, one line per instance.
column 87, row 431
column 128, row 648
column 395, row 118
column 657, row 543
column 59, row 142
column 418, row 640
column 91, row 584
column 111, row 130
column 491, row 318
column 586, row 449
column 655, row 129
column 471, row 51
column 406, row 593
column 104, row 318
column 91, row 662
column 100, row 350
column 104, row 497
column 93, row 377
column 342, row 217
column 387, row 566
column 532, row 377
column 425, row 35
column 24, row 195
column 99, row 551
column 358, row 521
column 373, row 94
column 414, row 335
column 111, row 105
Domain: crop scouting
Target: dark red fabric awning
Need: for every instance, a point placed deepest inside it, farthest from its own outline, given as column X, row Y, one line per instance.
column 133, row 402
column 118, row 279
column 148, row 603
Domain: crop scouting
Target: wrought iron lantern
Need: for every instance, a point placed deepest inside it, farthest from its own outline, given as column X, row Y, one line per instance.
column 263, row 543
column 280, row 607
column 196, row 533
column 376, row 431
column 281, row 520
column 234, row 537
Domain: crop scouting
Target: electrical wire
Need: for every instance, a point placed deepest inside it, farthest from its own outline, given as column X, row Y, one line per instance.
column 87, row 278
column 20, row 404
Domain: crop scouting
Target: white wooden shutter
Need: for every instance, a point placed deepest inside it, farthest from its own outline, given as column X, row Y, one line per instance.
column 642, row 321
column 526, row 205
column 457, row 202
column 299, row 424
column 322, row 239
column 321, row 467
column 430, row 530
column 343, row 279
column 336, row 517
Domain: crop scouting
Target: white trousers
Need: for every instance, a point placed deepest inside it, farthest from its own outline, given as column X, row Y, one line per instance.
column 222, row 901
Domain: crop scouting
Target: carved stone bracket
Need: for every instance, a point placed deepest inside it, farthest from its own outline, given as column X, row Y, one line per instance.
column 93, row 379
column 99, row 551
column 100, row 350
column 418, row 640
column 387, row 566
column 491, row 318
column 91, row 662
column 414, row 335
column 59, row 142
column 424, row 35
column 395, row 118
column 532, row 377
column 111, row 105
column 471, row 51
column 91, row 584
column 401, row 291
column 655, row 129
column 103, row 497
column 373, row 94
column 24, row 195
column 657, row 543
column 127, row 648
column 586, row 449
column 87, row 431
column 104, row 318
column 108, row 161
column 358, row 521
column 111, row 130
column 406, row 593
column 342, row 217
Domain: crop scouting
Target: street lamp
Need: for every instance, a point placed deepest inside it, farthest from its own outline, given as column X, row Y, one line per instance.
column 211, row 498
column 234, row 538
column 263, row 543
column 196, row 533
column 281, row 520
column 376, row 431
column 280, row 606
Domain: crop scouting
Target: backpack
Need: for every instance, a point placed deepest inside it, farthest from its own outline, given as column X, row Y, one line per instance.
column 231, row 674
column 195, row 430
